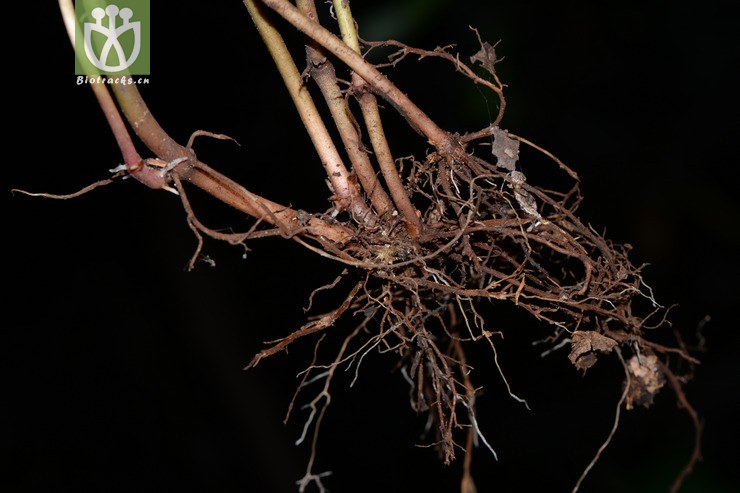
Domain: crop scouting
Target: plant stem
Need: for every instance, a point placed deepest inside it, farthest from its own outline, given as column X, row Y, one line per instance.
column 199, row 174
column 374, row 125
column 346, row 23
column 322, row 71
column 347, row 195
column 145, row 125
column 285, row 218
column 419, row 120
column 206, row 178
column 131, row 157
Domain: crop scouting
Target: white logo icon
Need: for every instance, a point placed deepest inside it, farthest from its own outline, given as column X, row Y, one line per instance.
column 112, row 33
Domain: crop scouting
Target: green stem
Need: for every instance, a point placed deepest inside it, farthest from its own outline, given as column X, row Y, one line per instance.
column 347, row 24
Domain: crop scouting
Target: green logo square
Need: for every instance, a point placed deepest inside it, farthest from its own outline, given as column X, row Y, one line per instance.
column 112, row 37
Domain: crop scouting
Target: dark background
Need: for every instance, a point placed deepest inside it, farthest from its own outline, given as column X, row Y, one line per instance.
column 123, row 372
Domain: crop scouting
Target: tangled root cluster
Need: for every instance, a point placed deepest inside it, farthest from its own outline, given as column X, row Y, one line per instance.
column 489, row 235
column 486, row 235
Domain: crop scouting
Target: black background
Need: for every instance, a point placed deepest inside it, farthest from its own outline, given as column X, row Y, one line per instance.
column 123, row 372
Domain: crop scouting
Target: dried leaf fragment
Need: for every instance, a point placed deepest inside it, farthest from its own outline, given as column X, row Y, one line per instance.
column 505, row 149
column 486, row 57
column 585, row 345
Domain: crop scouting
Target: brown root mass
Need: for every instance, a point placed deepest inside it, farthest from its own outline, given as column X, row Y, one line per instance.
column 488, row 235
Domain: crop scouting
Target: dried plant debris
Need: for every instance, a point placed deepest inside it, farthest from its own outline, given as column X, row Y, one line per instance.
column 586, row 345
column 505, row 149
column 526, row 201
column 486, row 57
column 646, row 379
